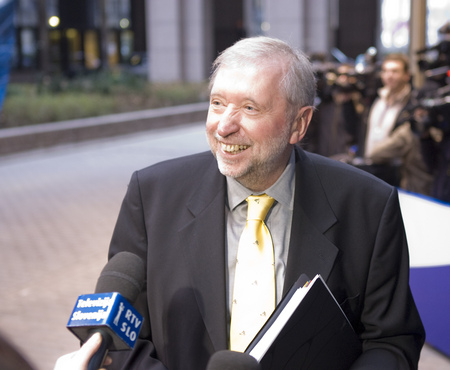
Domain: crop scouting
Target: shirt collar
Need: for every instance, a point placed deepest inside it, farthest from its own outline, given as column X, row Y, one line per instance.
column 282, row 191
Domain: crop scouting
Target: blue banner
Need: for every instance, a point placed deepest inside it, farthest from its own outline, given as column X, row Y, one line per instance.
column 7, row 37
column 427, row 228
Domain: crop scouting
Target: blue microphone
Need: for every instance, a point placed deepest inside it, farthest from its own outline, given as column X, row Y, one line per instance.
column 109, row 310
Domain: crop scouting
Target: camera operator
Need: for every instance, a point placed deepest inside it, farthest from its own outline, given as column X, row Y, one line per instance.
column 340, row 89
column 431, row 117
column 392, row 149
column 348, row 96
column 436, row 149
column 432, row 113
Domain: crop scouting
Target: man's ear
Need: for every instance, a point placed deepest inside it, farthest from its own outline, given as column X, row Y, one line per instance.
column 300, row 124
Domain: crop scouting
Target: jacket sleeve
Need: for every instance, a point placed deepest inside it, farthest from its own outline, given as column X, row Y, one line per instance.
column 393, row 333
column 130, row 235
column 395, row 146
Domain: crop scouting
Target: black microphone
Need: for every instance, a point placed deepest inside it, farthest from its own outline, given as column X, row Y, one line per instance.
column 231, row 360
column 124, row 273
column 109, row 310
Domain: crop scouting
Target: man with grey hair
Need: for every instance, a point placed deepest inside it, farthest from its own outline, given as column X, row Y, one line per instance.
column 184, row 217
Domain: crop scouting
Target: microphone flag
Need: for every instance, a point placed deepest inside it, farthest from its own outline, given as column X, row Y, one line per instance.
column 110, row 312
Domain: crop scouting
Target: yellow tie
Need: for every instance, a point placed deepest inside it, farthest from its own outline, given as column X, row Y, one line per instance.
column 254, row 282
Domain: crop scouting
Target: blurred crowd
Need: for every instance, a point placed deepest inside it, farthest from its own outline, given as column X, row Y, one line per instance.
column 370, row 114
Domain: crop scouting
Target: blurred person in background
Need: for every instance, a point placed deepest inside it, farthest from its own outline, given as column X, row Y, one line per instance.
column 348, row 98
column 435, row 142
column 392, row 148
column 431, row 113
column 338, row 87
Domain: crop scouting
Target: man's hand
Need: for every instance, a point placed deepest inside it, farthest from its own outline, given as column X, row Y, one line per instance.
column 79, row 360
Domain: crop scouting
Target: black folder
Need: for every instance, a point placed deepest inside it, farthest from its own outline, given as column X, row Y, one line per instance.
column 307, row 330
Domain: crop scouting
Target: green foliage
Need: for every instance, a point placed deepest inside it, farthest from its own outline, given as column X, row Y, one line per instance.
column 103, row 82
column 58, row 98
column 28, row 109
column 176, row 94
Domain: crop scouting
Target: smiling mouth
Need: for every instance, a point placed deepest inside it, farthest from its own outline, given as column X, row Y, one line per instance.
column 233, row 149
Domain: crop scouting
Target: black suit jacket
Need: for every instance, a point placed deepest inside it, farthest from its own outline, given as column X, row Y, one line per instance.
column 347, row 226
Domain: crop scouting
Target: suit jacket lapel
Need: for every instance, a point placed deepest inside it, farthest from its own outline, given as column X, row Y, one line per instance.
column 204, row 241
column 310, row 252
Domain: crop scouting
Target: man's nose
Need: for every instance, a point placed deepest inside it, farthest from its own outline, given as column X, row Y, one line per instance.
column 229, row 122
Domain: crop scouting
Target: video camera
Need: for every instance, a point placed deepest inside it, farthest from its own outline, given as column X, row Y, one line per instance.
column 346, row 75
column 434, row 61
column 434, row 96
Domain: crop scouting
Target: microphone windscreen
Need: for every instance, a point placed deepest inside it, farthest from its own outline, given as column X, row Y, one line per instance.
column 231, row 360
column 125, row 274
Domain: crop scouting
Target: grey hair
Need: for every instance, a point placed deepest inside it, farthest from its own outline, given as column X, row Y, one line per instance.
column 298, row 84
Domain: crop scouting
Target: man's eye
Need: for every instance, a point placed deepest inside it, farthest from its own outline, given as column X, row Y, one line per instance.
column 249, row 108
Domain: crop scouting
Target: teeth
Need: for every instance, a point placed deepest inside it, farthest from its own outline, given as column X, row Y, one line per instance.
column 233, row 148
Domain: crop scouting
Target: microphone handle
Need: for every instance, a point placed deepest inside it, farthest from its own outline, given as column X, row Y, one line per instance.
column 97, row 359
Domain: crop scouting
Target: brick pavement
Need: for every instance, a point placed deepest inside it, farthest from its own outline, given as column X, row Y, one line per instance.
column 57, row 211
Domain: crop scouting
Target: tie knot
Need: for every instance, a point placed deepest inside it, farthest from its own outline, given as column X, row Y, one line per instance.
column 258, row 206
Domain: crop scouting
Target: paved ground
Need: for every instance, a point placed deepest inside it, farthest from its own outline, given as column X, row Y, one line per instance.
column 57, row 210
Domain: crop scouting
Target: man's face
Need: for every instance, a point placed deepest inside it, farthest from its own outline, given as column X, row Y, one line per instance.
column 246, row 126
column 393, row 75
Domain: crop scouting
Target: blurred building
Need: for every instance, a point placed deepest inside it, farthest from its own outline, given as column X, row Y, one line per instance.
column 73, row 36
column 176, row 40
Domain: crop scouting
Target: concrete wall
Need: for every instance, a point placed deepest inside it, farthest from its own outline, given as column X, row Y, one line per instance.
column 164, row 42
column 178, row 39
column 302, row 23
column 181, row 38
